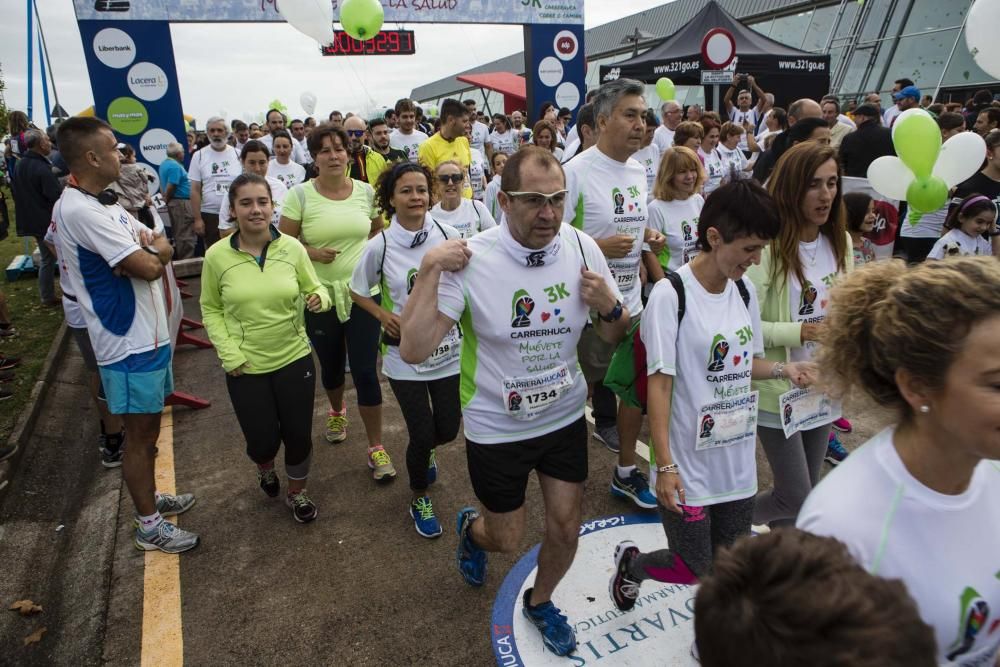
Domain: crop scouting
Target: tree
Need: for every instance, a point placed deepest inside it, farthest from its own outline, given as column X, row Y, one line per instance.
column 3, row 105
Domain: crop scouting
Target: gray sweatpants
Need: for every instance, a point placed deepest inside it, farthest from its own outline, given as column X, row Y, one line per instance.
column 796, row 464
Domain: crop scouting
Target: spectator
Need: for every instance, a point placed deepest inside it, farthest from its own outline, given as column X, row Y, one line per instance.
column 870, row 141
column 987, row 121
column 176, row 190
column 132, row 184
column 36, row 190
column 742, row 113
column 926, row 101
column 664, row 135
column 799, row 109
column 890, row 114
column 907, row 98
column 980, row 101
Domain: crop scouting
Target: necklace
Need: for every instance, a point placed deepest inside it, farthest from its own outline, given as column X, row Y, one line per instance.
column 811, row 257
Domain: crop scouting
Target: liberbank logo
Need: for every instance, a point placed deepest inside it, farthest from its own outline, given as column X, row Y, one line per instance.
column 114, row 48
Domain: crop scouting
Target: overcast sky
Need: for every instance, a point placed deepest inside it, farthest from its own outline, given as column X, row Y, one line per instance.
column 239, row 68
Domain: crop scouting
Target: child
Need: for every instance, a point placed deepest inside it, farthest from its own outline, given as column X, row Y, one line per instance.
column 860, row 221
column 966, row 225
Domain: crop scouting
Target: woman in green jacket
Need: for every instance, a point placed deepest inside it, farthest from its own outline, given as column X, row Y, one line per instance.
column 793, row 281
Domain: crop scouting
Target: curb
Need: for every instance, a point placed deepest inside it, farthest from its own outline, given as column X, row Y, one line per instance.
column 26, row 421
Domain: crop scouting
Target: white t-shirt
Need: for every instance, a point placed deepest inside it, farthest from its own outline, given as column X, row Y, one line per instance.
column 928, row 227
column 605, row 198
column 713, row 429
column 490, row 198
column 714, row 171
column 520, row 376
column 477, row 174
column 125, row 316
column 649, row 158
column 278, row 192
column 678, row 221
column 480, row 136
column 958, row 243
column 391, row 262
column 889, row 115
column 71, row 309
column 663, row 137
column 503, row 142
column 943, row 547
column 737, row 117
column 307, row 157
column 809, row 302
column 299, row 151
column 733, row 162
column 215, row 170
column 470, row 218
column 409, row 143
column 290, row 174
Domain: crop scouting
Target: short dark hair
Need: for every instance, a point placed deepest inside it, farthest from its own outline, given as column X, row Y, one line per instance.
column 254, row 146
column 239, row 182
column 267, row 116
column 334, row 113
column 282, row 134
column 239, row 126
column 856, row 208
column 469, row 102
column 320, row 132
column 831, row 100
column 405, row 105
column 585, row 115
column 903, row 83
column 452, row 108
column 376, row 121
column 386, row 184
column 791, row 598
column 510, row 181
column 949, row 120
column 743, row 209
column 294, row 121
column 992, row 115
column 982, row 96
column 74, row 136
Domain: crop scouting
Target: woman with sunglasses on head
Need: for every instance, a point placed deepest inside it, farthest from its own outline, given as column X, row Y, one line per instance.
column 467, row 216
column 334, row 216
column 427, row 392
column 281, row 167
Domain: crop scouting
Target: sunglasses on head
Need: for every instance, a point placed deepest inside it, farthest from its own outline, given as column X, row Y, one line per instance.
column 451, row 178
column 355, row 133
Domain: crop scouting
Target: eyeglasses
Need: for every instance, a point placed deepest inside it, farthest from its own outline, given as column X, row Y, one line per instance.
column 536, row 200
column 355, row 133
column 451, row 178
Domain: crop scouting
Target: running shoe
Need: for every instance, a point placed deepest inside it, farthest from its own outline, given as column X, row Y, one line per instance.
column 381, row 464
column 7, row 363
column 608, row 436
column 424, row 520
column 432, row 469
column 268, row 481
column 169, row 505
column 336, row 425
column 842, row 425
column 470, row 558
column 557, row 635
column 167, row 538
column 835, row 451
column 112, row 449
column 635, row 487
column 624, row 591
column 303, row 508
column 7, row 376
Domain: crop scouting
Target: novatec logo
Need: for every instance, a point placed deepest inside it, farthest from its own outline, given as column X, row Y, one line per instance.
column 147, row 81
column 153, row 145
column 114, row 47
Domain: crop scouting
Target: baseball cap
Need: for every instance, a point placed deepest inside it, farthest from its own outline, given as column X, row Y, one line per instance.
column 909, row 91
column 867, row 110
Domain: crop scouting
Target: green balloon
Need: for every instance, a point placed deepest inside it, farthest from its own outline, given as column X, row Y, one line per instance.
column 926, row 195
column 917, row 139
column 362, row 19
column 665, row 88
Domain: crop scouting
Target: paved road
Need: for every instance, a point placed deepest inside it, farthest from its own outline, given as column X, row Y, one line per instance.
column 357, row 587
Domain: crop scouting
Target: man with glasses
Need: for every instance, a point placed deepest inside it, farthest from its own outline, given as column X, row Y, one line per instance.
column 523, row 395
column 672, row 115
column 367, row 164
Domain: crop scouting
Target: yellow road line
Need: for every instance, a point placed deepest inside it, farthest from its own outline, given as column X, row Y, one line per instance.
column 162, row 639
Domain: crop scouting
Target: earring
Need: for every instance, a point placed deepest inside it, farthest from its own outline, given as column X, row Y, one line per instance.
column 925, row 409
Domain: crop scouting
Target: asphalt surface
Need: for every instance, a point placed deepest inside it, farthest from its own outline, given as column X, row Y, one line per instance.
column 356, row 587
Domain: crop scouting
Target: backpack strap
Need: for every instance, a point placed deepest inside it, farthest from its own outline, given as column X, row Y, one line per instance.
column 440, row 228
column 744, row 292
column 381, row 262
column 579, row 242
column 678, row 285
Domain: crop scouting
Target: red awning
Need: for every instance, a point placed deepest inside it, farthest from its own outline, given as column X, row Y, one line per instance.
column 512, row 86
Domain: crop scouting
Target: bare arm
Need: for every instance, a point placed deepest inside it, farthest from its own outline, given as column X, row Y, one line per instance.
column 759, row 92
column 199, row 224
column 668, row 485
column 389, row 321
column 654, row 270
column 727, row 100
column 423, row 326
column 168, row 193
column 143, row 265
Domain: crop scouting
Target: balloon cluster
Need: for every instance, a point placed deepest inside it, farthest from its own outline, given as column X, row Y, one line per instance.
column 665, row 88
column 362, row 19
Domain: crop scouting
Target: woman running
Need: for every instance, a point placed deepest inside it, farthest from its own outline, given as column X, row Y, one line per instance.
column 675, row 209
column 967, row 224
column 493, row 189
column 281, row 167
column 468, row 216
column 252, row 290
column 714, row 169
column 544, row 135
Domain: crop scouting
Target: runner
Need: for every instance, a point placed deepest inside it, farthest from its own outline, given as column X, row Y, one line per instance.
column 477, row 167
column 920, row 342
column 704, row 424
column 467, row 216
column 734, row 160
column 689, row 135
column 502, row 138
column 675, row 210
column 113, row 265
column 334, row 216
column 255, row 160
column 427, row 392
column 449, row 143
column 967, row 223
column 405, row 137
column 715, row 170
column 282, row 168
column 607, row 200
column 252, row 289
column 522, row 395
column 649, row 154
column 793, row 284
column 493, row 189
column 212, row 169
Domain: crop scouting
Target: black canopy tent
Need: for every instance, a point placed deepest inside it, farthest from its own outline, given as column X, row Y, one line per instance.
column 787, row 72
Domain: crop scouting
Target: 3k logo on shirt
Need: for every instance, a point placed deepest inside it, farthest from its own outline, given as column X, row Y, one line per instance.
column 975, row 614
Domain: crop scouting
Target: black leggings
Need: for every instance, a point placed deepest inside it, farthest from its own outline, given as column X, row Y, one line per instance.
column 428, row 423
column 277, row 407
column 358, row 337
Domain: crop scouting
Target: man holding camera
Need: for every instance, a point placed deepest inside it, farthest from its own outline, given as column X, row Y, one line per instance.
column 743, row 114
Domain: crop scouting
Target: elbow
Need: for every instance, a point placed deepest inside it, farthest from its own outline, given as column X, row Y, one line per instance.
column 408, row 354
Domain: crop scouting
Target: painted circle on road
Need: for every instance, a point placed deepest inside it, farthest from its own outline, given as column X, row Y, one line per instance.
column 567, row 95
column 147, row 81
column 566, row 45
column 114, row 47
column 550, row 71
column 128, row 115
column 153, row 145
column 658, row 631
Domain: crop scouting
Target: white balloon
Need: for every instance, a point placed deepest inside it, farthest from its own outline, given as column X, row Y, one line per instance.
column 313, row 18
column 960, row 158
column 890, row 177
column 308, row 102
column 903, row 116
column 981, row 35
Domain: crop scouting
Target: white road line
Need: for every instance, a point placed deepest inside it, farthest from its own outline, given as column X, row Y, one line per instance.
column 641, row 448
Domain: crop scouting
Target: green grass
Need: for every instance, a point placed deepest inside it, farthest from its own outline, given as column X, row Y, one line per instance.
column 36, row 325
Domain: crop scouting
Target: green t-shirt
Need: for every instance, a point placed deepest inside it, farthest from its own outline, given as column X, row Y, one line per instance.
column 342, row 225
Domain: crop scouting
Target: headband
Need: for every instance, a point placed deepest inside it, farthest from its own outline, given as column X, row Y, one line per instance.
column 973, row 200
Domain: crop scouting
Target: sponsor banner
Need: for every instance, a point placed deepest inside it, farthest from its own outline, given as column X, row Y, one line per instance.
column 569, row 12
column 556, row 58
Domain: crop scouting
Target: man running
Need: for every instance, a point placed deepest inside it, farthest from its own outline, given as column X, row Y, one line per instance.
column 522, row 393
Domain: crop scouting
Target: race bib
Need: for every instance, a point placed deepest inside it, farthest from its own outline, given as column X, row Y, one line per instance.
column 625, row 273
column 446, row 352
column 727, row 423
column 525, row 398
column 802, row 410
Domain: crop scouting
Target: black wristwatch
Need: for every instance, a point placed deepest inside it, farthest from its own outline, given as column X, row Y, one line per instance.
column 614, row 315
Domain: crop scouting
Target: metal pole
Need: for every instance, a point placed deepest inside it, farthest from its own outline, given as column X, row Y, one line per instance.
column 836, row 24
column 31, row 61
column 45, row 83
column 715, row 99
column 954, row 47
column 45, row 48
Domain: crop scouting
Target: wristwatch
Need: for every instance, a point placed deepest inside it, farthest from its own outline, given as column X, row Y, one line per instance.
column 614, row 315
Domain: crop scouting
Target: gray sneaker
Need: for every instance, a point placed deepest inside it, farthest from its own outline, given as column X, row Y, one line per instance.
column 167, row 537
column 169, row 505
column 608, row 436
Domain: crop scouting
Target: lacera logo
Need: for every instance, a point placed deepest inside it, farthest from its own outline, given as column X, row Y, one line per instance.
column 717, row 357
column 521, row 306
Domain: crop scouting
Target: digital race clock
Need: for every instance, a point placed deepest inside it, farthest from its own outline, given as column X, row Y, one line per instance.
column 386, row 43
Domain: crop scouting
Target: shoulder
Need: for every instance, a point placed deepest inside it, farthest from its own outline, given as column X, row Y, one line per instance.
column 363, row 189
column 449, row 231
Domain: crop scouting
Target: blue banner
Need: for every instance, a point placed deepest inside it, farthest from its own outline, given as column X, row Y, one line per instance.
column 555, row 60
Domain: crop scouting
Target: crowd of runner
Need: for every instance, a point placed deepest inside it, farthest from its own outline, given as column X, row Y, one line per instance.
column 705, row 271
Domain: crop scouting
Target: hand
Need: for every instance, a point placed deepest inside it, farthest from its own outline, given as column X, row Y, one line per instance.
column 616, row 247
column 146, row 237
column 596, row 293
column 325, row 255
column 750, row 79
column 811, row 331
column 656, row 242
column 452, row 255
column 313, row 303
column 238, row 371
column 802, row 373
column 199, row 227
column 669, row 487
column 390, row 322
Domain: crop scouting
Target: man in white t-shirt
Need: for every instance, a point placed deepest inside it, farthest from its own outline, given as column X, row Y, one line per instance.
column 298, row 130
column 672, row 117
column 212, row 169
column 276, row 123
column 406, row 137
column 522, row 393
column 744, row 113
column 114, row 266
column 480, row 137
column 607, row 200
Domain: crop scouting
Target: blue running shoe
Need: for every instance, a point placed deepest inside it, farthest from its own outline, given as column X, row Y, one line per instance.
column 835, row 450
column 635, row 487
column 557, row 635
column 424, row 519
column 432, row 469
column 470, row 558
